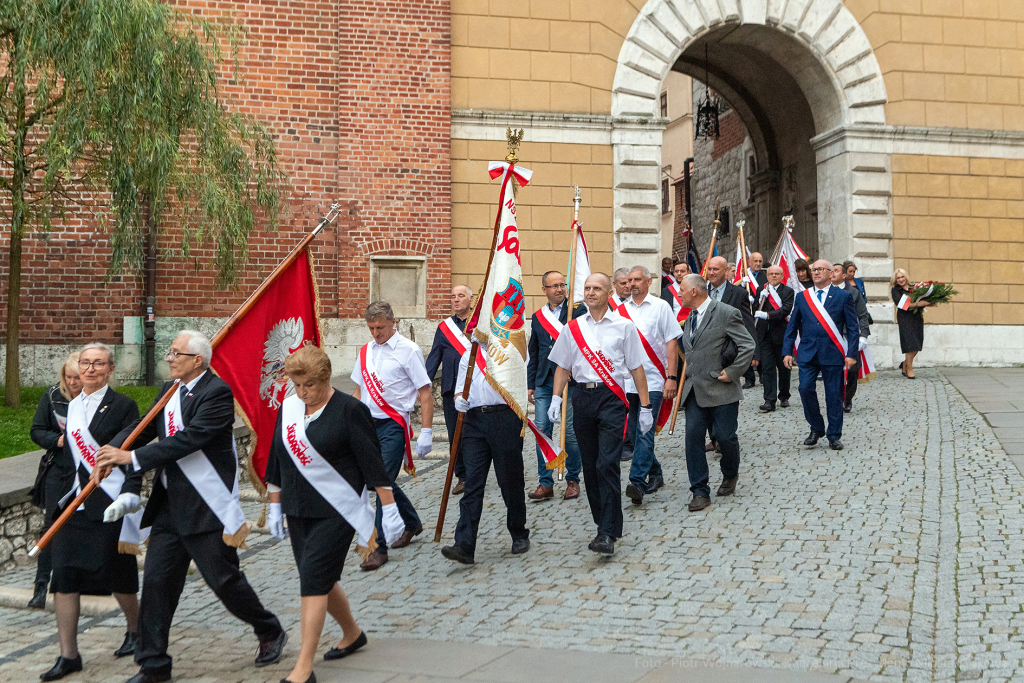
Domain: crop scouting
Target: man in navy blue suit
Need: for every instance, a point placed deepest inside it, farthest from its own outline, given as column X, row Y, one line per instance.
column 825, row 317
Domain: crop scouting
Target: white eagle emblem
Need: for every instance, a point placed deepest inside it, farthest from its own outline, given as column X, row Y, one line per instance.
column 285, row 338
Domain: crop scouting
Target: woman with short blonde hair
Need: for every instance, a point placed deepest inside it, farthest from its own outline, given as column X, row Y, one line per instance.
column 909, row 320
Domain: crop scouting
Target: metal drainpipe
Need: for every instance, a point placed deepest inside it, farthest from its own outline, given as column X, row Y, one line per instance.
column 686, row 187
column 149, row 295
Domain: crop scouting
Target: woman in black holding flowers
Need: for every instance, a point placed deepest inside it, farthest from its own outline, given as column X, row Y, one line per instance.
column 910, row 320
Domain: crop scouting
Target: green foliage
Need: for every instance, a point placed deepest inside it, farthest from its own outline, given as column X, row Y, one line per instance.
column 15, row 422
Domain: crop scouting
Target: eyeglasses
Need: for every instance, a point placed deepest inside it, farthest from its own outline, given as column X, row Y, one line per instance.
column 818, row 270
column 97, row 364
column 174, row 354
column 559, row 286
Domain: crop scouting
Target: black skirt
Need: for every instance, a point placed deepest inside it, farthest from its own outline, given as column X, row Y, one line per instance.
column 911, row 330
column 320, row 545
column 86, row 561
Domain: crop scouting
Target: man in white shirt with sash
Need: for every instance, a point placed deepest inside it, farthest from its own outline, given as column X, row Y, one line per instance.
column 620, row 279
column 670, row 294
column 390, row 375
column 601, row 350
column 194, row 511
column 658, row 331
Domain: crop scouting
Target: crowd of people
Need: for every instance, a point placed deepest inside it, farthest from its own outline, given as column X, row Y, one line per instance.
column 607, row 369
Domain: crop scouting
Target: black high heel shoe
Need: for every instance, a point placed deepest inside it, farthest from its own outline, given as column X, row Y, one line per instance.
column 311, row 679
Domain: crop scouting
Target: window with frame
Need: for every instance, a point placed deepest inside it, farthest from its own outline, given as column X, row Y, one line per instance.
column 666, row 204
column 664, row 105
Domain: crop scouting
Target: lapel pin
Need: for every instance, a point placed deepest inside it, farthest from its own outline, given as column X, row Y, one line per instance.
column 103, row 409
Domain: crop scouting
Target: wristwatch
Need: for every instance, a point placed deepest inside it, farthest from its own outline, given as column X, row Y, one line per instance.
column 674, row 378
column 648, row 406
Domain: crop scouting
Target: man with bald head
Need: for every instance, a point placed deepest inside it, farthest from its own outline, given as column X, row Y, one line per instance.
column 449, row 344
column 773, row 306
column 756, row 264
column 601, row 350
column 825, row 317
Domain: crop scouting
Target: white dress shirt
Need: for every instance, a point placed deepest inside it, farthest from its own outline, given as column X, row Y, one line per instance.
column 824, row 297
column 401, row 368
column 188, row 387
column 616, row 338
column 480, row 391
column 696, row 315
column 654, row 319
column 91, row 402
column 718, row 292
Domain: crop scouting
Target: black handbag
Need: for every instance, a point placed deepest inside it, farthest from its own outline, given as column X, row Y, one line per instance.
column 728, row 354
column 38, row 492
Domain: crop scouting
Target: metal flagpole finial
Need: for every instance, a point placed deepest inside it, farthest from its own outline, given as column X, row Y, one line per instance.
column 577, row 199
column 740, row 224
column 788, row 222
column 514, row 138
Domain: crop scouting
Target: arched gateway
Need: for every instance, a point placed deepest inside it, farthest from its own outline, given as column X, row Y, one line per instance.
column 804, row 79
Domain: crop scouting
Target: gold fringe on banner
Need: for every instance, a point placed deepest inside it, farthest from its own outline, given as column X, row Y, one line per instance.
column 125, row 548
column 237, row 539
column 363, row 551
column 557, row 462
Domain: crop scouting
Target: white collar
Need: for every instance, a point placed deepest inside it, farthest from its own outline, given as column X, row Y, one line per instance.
column 391, row 342
column 822, row 289
column 646, row 300
column 556, row 309
column 192, row 385
column 98, row 394
column 607, row 315
column 704, row 306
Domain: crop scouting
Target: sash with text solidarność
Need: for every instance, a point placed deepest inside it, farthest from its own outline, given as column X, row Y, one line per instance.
column 321, row 475
column 375, row 388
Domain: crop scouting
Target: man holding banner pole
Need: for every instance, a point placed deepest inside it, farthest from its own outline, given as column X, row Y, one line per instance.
column 658, row 329
column 546, row 326
column 825, row 317
column 601, row 351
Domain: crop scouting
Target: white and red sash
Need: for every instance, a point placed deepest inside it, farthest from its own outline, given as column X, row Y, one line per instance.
column 584, row 337
column 62, row 421
column 818, row 308
column 376, row 390
column 83, row 451
column 773, row 297
column 666, row 406
column 867, row 366
column 205, row 479
column 612, row 304
column 352, row 506
column 549, row 321
column 904, row 304
column 681, row 311
column 454, row 335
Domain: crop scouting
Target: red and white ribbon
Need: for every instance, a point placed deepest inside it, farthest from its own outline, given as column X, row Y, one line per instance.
column 818, row 308
column 549, row 321
column 496, row 169
column 375, row 388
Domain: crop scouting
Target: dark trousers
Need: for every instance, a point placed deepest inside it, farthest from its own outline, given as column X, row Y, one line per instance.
column 851, row 382
column 832, row 378
column 450, row 417
column 392, row 450
column 721, row 420
column 599, row 417
column 166, row 569
column 775, row 377
column 492, row 437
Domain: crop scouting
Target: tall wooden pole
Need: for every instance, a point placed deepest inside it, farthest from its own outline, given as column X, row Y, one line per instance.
column 456, row 438
column 159, row 406
column 570, row 303
column 679, row 393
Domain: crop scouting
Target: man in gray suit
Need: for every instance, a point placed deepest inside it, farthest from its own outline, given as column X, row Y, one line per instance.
column 711, row 394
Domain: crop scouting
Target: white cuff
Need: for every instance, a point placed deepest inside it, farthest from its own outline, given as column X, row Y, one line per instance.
column 135, row 462
column 273, row 488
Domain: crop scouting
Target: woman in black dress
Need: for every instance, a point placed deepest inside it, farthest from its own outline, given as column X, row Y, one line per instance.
column 803, row 273
column 48, row 432
column 325, row 454
column 910, row 321
column 86, row 554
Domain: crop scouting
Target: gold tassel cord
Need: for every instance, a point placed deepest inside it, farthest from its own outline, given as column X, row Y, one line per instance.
column 557, row 462
column 125, row 548
column 363, row 551
column 237, row 539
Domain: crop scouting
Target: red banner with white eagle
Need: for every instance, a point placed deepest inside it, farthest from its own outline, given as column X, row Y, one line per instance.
column 251, row 356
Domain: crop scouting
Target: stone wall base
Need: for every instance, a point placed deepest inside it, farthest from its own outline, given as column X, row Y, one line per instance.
column 20, row 525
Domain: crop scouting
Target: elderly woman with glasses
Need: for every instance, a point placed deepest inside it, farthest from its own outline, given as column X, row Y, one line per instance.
column 48, row 433
column 93, row 553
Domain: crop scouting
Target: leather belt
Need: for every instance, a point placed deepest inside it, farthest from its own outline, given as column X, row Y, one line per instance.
column 489, row 409
column 590, row 385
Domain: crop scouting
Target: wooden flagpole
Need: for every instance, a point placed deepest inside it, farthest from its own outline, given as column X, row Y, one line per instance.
column 513, row 138
column 159, row 406
column 746, row 263
column 714, row 238
column 679, row 394
column 570, row 303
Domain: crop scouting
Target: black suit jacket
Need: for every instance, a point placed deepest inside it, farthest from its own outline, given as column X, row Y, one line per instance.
column 737, row 297
column 775, row 327
column 114, row 413
column 209, row 416
column 539, row 370
column 666, row 296
column 443, row 355
column 346, row 437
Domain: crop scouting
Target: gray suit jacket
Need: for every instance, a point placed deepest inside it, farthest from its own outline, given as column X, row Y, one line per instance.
column 703, row 356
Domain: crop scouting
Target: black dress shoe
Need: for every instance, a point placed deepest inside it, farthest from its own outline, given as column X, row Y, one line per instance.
column 150, row 677
column 311, row 679
column 271, row 649
column 627, row 455
column 454, row 552
column 728, row 487
column 342, row 652
column 128, row 646
column 767, row 407
column 603, row 544
column 62, row 668
column 848, row 407
column 784, row 403
column 748, row 385
column 520, row 546
column 812, row 438
column 654, row 483
column 835, row 444
column 634, row 494
column 38, row 600
column 698, row 503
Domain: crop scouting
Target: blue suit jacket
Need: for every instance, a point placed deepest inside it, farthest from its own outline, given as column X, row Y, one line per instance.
column 443, row 355
column 814, row 339
column 539, row 370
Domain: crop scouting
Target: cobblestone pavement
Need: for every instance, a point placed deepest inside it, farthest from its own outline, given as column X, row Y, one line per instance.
column 895, row 559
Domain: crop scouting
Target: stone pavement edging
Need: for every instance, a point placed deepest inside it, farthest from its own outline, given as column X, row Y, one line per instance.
column 92, row 605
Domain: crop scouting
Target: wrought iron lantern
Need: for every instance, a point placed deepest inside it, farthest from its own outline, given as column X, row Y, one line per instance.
column 705, row 124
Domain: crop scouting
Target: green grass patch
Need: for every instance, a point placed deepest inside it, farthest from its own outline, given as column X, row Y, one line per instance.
column 15, row 423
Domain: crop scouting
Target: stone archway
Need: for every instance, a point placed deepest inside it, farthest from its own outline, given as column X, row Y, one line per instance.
column 823, row 53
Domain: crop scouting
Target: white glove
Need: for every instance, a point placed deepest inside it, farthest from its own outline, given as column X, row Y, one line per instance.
column 646, row 420
column 744, row 280
column 126, row 503
column 555, row 409
column 764, row 294
column 761, row 315
column 392, row 522
column 750, row 298
column 461, row 404
column 425, row 443
column 863, row 343
column 275, row 521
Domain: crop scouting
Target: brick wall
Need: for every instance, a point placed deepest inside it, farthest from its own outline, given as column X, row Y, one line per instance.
column 370, row 133
column 732, row 133
column 962, row 221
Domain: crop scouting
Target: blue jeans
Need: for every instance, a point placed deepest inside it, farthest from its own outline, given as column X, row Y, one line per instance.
column 644, row 462
column 573, row 462
column 392, row 449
